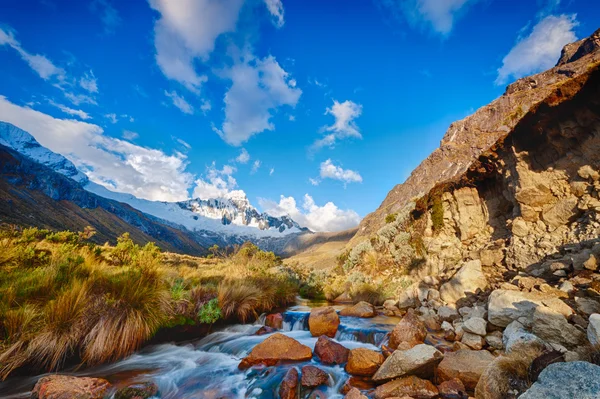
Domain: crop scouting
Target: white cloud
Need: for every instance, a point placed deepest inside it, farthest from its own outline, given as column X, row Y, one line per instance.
column 39, row 63
column 112, row 118
column 314, row 182
column 540, row 50
column 205, row 106
column 271, row 171
column 317, row 218
column 129, row 135
column 259, row 86
column 275, row 7
column 180, row 102
column 439, row 15
column 89, row 82
column 217, row 183
column 70, row 111
column 184, row 143
column 78, row 99
column 255, row 166
column 186, row 31
column 116, row 164
column 331, row 171
column 108, row 15
column 344, row 125
column 244, row 157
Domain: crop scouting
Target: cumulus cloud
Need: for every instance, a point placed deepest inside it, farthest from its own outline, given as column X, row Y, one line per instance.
column 205, row 106
column 179, row 102
column 129, row 135
column 540, row 50
column 331, row 171
column 439, row 15
column 112, row 118
column 344, row 125
column 317, row 218
column 186, row 31
column 258, row 87
column 217, row 183
column 244, row 156
column 108, row 15
column 116, row 164
column 275, row 7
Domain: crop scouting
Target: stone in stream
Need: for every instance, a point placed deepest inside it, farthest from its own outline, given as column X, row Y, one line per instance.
column 411, row 330
column 363, row 362
column 361, row 383
column 313, row 376
column 330, row 352
column 361, row 309
column 274, row 349
column 265, row 330
column 465, row 364
column 142, row 390
column 274, row 320
column 355, row 394
column 579, row 380
column 407, row 386
column 419, row 360
column 65, row 386
column 289, row 385
column 323, row 321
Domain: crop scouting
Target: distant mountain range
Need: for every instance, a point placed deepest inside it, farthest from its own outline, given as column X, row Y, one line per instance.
column 28, row 169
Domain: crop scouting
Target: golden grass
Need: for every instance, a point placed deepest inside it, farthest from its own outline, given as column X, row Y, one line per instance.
column 62, row 298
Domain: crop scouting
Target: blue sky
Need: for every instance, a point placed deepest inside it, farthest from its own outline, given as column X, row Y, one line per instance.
column 312, row 108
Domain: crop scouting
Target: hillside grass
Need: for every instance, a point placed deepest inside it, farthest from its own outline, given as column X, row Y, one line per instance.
column 63, row 298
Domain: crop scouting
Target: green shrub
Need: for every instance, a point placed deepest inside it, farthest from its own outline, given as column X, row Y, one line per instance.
column 437, row 214
column 391, row 218
column 210, row 312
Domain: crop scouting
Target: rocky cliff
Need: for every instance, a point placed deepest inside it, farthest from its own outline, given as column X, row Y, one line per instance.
column 468, row 139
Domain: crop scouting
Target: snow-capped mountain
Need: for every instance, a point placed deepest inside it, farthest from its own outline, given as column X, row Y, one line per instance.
column 24, row 143
column 232, row 216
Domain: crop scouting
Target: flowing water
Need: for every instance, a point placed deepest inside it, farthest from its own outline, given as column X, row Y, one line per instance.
column 208, row 368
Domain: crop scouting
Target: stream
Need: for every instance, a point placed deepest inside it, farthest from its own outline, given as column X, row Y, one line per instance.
column 208, row 368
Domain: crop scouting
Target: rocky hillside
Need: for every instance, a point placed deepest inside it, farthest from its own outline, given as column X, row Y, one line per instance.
column 469, row 138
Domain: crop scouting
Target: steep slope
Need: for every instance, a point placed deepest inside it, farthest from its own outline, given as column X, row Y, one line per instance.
column 467, row 139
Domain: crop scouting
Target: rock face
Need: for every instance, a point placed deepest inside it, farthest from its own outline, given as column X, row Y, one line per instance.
column 412, row 386
column 363, row 362
column 411, row 331
column 469, row 279
column 143, row 390
column 68, row 387
column 313, row 376
column 323, row 321
column 361, row 309
column 289, row 385
column 466, row 365
column 330, row 352
column 274, row 349
column 566, row 380
column 419, row 360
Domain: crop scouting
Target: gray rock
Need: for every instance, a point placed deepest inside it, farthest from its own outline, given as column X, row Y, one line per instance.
column 494, row 340
column 554, row 328
column 475, row 325
column 473, row 341
column 420, row 360
column 505, row 306
column 579, row 380
column 587, row 306
column 468, row 279
column 447, row 313
column 515, row 338
column 593, row 330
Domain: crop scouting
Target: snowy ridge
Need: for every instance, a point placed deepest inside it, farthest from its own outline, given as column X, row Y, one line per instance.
column 232, row 216
column 24, row 143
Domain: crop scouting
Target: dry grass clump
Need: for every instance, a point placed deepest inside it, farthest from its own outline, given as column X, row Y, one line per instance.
column 62, row 298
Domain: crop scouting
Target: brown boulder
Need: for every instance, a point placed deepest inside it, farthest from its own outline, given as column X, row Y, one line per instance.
column 143, row 390
column 313, row 376
column 289, row 385
column 274, row 320
column 355, row 394
column 419, row 360
column 276, row 348
column 364, row 362
column 452, row 389
column 408, row 386
column 330, row 352
column 361, row 383
column 411, row 330
column 466, row 365
column 361, row 309
column 69, row 387
column 323, row 321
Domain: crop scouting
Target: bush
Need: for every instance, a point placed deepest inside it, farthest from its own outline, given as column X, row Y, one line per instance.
column 210, row 312
column 391, row 218
column 437, row 214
